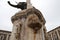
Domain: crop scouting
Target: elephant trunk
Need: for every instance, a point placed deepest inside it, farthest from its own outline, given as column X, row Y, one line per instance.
column 12, row 4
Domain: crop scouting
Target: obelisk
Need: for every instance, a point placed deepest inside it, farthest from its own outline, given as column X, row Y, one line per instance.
column 29, row 5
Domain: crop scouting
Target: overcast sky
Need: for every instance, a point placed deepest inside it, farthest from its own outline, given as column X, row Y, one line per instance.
column 49, row 8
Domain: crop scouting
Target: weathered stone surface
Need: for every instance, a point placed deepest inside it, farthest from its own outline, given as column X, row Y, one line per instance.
column 28, row 24
column 25, row 13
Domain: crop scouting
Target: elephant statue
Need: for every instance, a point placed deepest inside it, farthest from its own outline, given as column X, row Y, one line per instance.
column 21, row 5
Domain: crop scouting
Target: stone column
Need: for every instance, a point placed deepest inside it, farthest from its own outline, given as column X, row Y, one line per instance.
column 51, row 36
column 7, row 37
column 58, row 34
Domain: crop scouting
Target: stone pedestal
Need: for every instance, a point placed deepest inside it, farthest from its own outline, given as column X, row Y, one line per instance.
column 28, row 24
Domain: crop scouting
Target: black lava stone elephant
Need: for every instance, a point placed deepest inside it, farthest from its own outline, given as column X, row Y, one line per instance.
column 21, row 5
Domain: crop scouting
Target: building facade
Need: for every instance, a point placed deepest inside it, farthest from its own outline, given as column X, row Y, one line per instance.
column 54, row 34
column 4, row 35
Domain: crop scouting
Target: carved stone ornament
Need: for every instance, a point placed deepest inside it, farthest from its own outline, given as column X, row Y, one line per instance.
column 34, row 18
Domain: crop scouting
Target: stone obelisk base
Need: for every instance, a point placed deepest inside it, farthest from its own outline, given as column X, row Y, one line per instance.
column 23, row 25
